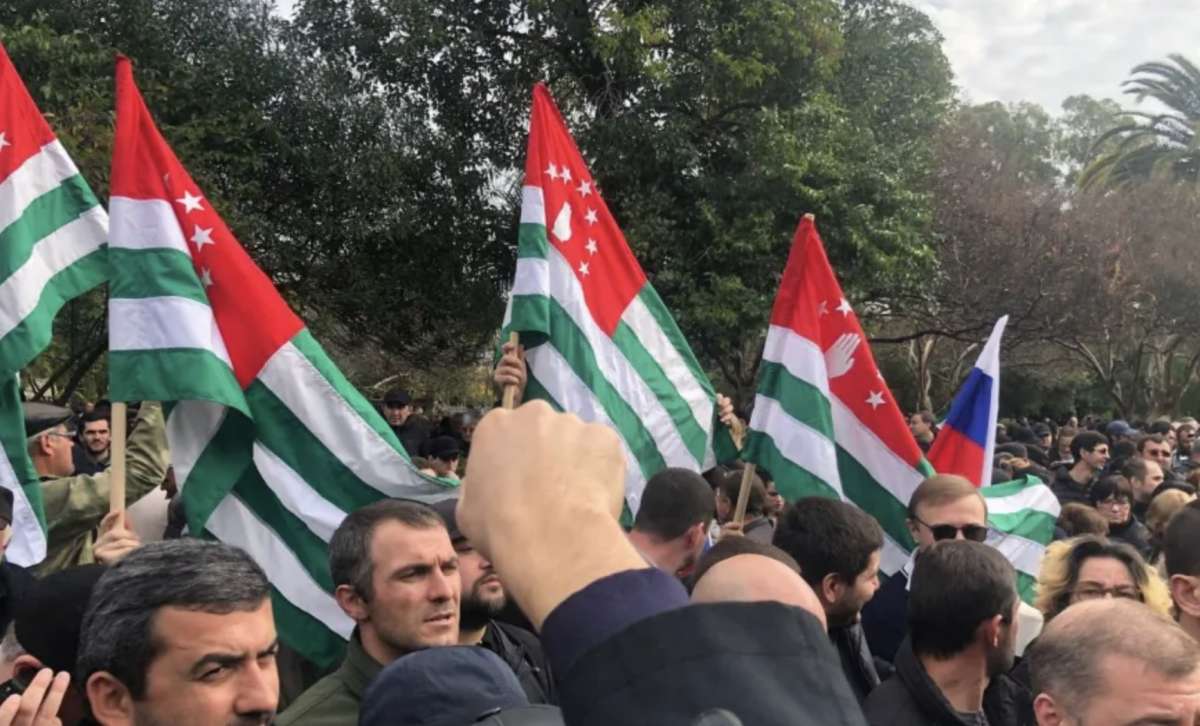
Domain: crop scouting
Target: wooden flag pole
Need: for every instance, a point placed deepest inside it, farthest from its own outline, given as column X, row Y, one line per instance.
column 739, row 514
column 510, row 391
column 116, row 471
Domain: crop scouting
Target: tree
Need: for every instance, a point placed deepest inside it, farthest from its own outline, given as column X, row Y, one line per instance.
column 1151, row 144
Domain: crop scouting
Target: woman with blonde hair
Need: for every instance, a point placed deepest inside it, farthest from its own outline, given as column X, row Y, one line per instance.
column 1090, row 568
column 1161, row 509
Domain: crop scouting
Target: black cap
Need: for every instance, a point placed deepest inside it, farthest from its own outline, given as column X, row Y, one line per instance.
column 397, row 397
column 445, row 448
column 41, row 417
column 1041, row 429
column 450, row 686
column 50, row 614
column 446, row 508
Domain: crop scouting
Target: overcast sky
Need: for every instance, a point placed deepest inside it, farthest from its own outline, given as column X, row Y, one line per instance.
column 1047, row 50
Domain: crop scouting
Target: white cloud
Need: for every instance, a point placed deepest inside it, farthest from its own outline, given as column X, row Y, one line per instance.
column 1047, row 50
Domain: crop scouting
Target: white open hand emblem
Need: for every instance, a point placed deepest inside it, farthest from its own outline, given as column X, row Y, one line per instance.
column 840, row 357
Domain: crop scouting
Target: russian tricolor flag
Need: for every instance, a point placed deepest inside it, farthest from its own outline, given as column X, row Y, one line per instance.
column 967, row 440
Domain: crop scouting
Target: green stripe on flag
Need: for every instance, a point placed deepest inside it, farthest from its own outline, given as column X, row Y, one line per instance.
column 534, row 390
column 222, row 463
column 177, row 374
column 24, row 341
column 794, row 481
column 532, row 241
column 1026, row 586
column 41, row 217
column 531, row 316
column 1037, row 526
column 309, row 549
column 799, row 399
column 155, row 272
column 305, row 634
column 873, row 498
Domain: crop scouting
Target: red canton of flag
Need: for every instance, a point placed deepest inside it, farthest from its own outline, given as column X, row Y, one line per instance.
column 23, row 130
column 578, row 222
column 254, row 320
column 811, row 303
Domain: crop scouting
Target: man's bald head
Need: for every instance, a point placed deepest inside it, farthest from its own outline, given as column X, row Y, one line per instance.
column 1078, row 659
column 756, row 578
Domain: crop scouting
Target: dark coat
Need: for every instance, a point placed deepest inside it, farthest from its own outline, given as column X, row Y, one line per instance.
column 1067, row 489
column 765, row 663
column 523, row 653
column 15, row 581
column 857, row 663
column 1133, row 533
column 911, row 698
column 885, row 618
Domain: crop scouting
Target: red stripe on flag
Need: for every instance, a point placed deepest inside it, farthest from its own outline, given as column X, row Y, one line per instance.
column 23, row 129
column 578, row 223
column 956, row 453
column 252, row 317
column 810, row 303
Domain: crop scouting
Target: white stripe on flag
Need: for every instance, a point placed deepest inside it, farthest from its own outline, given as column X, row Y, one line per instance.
column 27, row 547
column 155, row 323
column 235, row 524
column 1038, row 498
column 800, row 356
column 533, row 206
column 560, row 381
column 530, row 278
column 797, row 441
column 21, row 291
column 143, row 224
column 295, row 494
column 890, row 471
column 38, row 174
column 319, row 407
column 1023, row 553
column 190, row 429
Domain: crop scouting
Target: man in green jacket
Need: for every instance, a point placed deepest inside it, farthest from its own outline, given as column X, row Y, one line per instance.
column 396, row 576
column 75, row 504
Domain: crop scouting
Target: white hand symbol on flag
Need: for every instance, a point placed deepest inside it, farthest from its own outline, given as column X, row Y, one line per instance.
column 840, row 357
column 562, row 223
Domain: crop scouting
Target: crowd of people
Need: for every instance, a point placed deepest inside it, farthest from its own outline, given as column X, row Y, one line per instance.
column 522, row 600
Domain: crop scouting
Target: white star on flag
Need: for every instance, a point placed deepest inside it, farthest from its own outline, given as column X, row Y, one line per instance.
column 201, row 237
column 3, row 141
column 823, row 308
column 552, row 171
column 844, row 308
column 590, row 216
column 190, row 202
column 875, row 400
column 591, row 246
column 585, row 188
column 566, row 175
column 583, row 269
column 206, row 277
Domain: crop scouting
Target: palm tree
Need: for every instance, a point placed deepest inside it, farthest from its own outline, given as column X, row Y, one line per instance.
column 1153, row 144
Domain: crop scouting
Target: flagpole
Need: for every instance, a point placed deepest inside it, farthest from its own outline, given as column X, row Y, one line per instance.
column 116, row 472
column 739, row 514
column 510, row 390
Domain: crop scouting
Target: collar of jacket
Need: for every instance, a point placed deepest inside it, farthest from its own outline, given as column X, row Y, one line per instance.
column 925, row 693
column 358, row 668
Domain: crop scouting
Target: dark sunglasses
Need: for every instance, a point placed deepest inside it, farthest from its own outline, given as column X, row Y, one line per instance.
column 973, row 532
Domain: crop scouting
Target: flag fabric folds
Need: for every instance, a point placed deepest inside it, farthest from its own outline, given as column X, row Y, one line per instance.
column 600, row 342
column 271, row 445
column 966, row 442
column 53, row 234
column 1021, row 519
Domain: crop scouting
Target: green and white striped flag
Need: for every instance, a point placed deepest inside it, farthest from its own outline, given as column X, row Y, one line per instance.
column 53, row 234
column 825, row 424
column 271, row 445
column 600, row 343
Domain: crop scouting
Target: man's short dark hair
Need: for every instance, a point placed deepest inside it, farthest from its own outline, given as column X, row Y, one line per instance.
column 734, row 546
column 350, row 547
column 1149, row 438
column 1110, row 487
column 756, row 503
column 1137, row 468
column 828, row 536
column 1086, row 441
column 1159, row 427
column 955, row 586
column 1181, row 544
column 674, row 501
column 117, row 634
column 93, row 416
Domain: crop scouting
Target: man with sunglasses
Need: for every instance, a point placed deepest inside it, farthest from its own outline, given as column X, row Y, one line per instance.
column 943, row 507
column 76, row 503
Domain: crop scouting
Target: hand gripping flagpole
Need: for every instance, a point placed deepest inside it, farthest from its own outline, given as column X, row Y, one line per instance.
column 510, row 390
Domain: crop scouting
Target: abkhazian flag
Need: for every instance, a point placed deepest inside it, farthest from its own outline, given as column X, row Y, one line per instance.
column 271, row 445
column 966, row 442
column 825, row 424
column 600, row 342
column 53, row 234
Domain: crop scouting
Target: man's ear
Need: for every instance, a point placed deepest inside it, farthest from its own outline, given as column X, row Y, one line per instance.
column 109, row 699
column 832, row 588
column 1185, row 591
column 993, row 630
column 26, row 666
column 1047, row 711
column 351, row 603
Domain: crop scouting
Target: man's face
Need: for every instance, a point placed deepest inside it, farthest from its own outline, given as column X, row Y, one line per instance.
column 1186, row 436
column 1064, row 447
column 917, row 425
column 775, row 501
column 442, row 467
column 1096, row 458
column 1143, row 489
column 482, row 592
column 958, row 513
column 396, row 413
column 96, row 436
column 857, row 595
column 1131, row 693
column 416, row 588
column 211, row 669
column 61, row 460
column 724, row 508
column 1156, row 452
column 1045, row 440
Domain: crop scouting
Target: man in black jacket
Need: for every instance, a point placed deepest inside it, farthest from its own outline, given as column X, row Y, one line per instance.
column 1089, row 452
column 483, row 598
column 962, row 617
column 838, row 547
